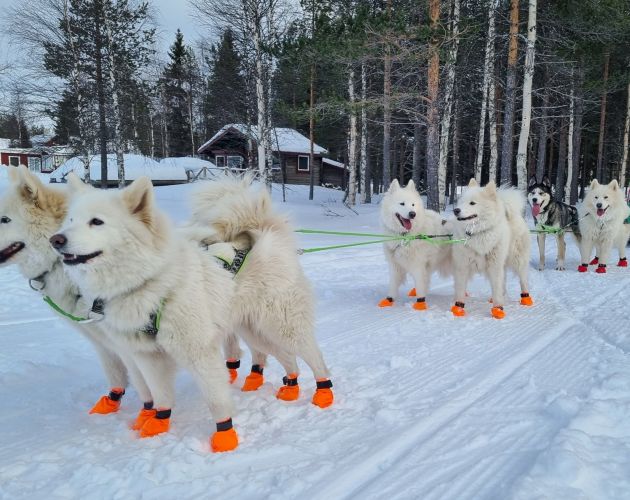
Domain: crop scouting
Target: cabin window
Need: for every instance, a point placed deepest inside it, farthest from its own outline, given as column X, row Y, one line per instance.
column 234, row 161
column 219, row 161
column 14, row 161
column 34, row 164
column 303, row 163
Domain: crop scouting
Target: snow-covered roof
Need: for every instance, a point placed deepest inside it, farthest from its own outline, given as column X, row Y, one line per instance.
column 25, row 151
column 334, row 163
column 187, row 163
column 4, row 143
column 40, row 139
column 135, row 166
column 284, row 140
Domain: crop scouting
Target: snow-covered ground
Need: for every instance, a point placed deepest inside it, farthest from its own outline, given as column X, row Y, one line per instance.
column 428, row 406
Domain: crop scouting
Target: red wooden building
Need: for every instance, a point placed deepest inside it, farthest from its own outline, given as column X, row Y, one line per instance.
column 36, row 159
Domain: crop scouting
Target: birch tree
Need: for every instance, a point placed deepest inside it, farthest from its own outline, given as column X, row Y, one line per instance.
column 521, row 156
column 352, row 142
column 448, row 102
column 570, row 150
column 602, row 119
column 433, row 81
column 366, row 192
column 626, row 133
column 387, row 111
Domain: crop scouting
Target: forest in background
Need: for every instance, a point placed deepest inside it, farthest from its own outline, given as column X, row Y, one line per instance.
column 438, row 91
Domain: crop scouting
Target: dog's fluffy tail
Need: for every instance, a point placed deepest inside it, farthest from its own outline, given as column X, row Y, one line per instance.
column 514, row 202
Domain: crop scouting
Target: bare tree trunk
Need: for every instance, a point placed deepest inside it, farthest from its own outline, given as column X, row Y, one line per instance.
column 487, row 99
column 311, row 133
column 570, row 152
column 541, row 157
column 448, row 104
column 100, row 86
column 510, row 98
column 387, row 113
column 352, row 144
column 454, row 174
column 152, row 132
column 562, row 162
column 261, row 105
column 626, row 134
column 576, row 136
column 492, row 115
column 366, row 195
column 602, row 120
column 433, row 124
column 521, row 156
column 415, row 165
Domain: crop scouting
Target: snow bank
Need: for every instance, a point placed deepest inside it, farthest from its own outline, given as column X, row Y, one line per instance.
column 135, row 166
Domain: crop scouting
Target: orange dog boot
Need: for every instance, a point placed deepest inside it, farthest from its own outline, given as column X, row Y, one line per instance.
column 233, row 365
column 157, row 424
column 497, row 312
column 623, row 262
column 420, row 305
column 225, row 439
column 291, row 390
column 386, row 302
column 595, row 261
column 145, row 414
column 412, row 293
column 110, row 403
column 458, row 309
column 323, row 396
column 601, row 269
column 254, row 380
column 526, row 300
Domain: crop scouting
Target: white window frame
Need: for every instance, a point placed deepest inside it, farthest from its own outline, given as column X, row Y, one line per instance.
column 216, row 161
column 34, row 164
column 308, row 163
column 18, row 161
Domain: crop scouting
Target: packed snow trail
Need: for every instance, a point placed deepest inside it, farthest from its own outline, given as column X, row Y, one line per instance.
column 427, row 406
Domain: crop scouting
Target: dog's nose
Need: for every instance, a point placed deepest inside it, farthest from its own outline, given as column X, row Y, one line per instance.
column 457, row 211
column 58, row 241
column 599, row 205
column 412, row 215
column 534, row 200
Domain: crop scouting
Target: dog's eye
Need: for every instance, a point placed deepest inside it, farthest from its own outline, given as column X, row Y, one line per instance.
column 96, row 222
column 402, row 204
column 596, row 197
column 4, row 220
column 413, row 204
column 605, row 197
column 473, row 203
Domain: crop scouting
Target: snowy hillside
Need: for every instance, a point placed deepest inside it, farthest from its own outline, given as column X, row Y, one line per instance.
column 428, row 406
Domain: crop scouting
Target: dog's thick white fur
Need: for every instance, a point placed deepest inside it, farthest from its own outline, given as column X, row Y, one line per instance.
column 31, row 213
column 274, row 304
column 492, row 222
column 403, row 213
column 118, row 247
column 601, row 222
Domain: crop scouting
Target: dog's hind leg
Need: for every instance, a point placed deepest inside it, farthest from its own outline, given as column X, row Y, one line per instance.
column 255, row 379
column 309, row 351
column 622, row 241
column 290, row 389
column 496, row 274
column 541, row 250
column 396, row 277
column 232, row 353
column 562, row 248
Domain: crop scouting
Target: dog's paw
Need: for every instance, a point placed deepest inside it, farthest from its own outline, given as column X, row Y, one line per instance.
column 386, row 302
column 541, row 267
column 601, row 269
column 323, row 398
column 582, row 268
column 253, row 381
column 288, row 392
column 412, row 293
column 594, row 262
column 458, row 311
column 142, row 417
column 222, row 441
column 154, row 426
column 420, row 305
column 561, row 268
column 497, row 312
column 106, row 405
column 623, row 262
column 526, row 300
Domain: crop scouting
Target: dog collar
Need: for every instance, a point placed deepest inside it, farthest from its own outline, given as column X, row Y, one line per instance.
column 240, row 256
column 38, row 283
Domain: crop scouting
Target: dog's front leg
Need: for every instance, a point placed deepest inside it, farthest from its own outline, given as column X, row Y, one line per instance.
column 541, row 251
column 396, row 277
column 603, row 252
column 495, row 268
column 422, row 277
column 562, row 248
column 586, row 248
column 461, row 275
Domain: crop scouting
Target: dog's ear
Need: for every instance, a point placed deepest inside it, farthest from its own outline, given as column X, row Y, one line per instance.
column 138, row 197
column 594, row 183
column 533, row 181
column 491, row 188
column 75, row 183
column 614, row 185
column 473, row 183
column 28, row 184
column 546, row 182
column 411, row 186
column 394, row 186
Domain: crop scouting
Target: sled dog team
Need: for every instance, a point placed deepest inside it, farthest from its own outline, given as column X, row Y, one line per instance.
column 491, row 222
column 151, row 298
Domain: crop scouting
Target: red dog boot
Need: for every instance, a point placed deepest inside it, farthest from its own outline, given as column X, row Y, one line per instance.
column 323, row 396
column 458, row 309
column 582, row 268
column 145, row 414
column 233, row 365
column 110, row 403
column 497, row 312
column 595, row 261
column 420, row 305
column 526, row 300
column 157, row 424
column 601, row 269
column 412, row 293
column 623, row 262
column 225, row 439
column 386, row 302
column 290, row 391
column 254, row 380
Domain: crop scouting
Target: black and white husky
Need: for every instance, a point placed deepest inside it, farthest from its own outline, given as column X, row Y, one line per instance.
column 551, row 213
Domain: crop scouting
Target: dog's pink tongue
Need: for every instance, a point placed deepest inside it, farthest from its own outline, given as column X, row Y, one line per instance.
column 600, row 212
column 535, row 209
column 407, row 223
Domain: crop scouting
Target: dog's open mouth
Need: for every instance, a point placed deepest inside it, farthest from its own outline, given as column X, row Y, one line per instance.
column 406, row 223
column 10, row 251
column 535, row 209
column 601, row 211
column 72, row 260
column 467, row 218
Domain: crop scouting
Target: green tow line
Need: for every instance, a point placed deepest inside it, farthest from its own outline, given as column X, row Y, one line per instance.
column 429, row 238
column 55, row 307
